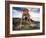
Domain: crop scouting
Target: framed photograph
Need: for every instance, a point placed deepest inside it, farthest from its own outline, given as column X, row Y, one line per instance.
column 24, row 18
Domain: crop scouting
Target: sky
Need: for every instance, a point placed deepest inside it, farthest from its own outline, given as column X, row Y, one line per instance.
column 22, row 8
column 34, row 13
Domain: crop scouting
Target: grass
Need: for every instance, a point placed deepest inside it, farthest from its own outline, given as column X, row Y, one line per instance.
column 25, row 26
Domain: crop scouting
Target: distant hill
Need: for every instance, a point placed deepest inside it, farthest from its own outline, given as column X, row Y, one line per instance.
column 19, row 19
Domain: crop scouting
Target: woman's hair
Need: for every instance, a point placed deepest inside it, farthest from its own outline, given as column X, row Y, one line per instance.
column 25, row 9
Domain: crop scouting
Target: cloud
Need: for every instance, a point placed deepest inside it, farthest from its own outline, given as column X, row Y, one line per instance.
column 37, row 10
column 18, row 8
